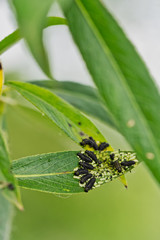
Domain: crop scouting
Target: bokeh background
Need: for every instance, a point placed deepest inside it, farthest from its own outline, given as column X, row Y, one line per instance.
column 110, row 212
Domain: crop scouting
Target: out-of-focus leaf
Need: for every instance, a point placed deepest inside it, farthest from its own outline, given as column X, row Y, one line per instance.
column 31, row 17
column 7, row 178
column 83, row 97
column 8, row 184
column 69, row 119
column 14, row 37
column 52, row 21
column 121, row 77
column 1, row 78
column 6, row 215
column 51, row 172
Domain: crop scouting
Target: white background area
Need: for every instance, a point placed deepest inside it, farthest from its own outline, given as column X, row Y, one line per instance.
column 139, row 19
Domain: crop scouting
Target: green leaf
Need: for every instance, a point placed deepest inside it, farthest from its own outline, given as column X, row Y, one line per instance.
column 52, row 21
column 83, row 97
column 6, row 213
column 6, row 177
column 69, row 119
column 31, row 17
column 51, row 172
column 54, row 172
column 14, row 37
column 121, row 78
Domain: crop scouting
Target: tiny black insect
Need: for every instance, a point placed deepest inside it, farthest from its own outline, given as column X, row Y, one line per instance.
column 84, row 157
column 81, row 133
column 85, row 178
column 10, row 186
column 128, row 163
column 112, row 156
column 91, row 138
column 86, row 165
column 81, row 171
column 89, row 184
column 86, row 141
column 92, row 155
column 89, row 142
column 117, row 165
column 94, row 142
column 102, row 146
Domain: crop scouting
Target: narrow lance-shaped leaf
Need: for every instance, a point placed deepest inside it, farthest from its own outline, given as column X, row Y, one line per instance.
column 83, row 97
column 31, row 16
column 1, row 78
column 69, row 119
column 54, row 172
column 121, row 77
column 6, row 215
column 7, row 181
column 14, row 37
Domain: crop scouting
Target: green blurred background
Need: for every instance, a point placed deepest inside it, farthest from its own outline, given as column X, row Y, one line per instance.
column 110, row 212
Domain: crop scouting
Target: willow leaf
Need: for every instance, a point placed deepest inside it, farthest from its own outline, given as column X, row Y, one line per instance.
column 16, row 36
column 54, row 172
column 69, row 119
column 51, row 172
column 83, row 97
column 6, row 215
column 31, row 17
column 6, row 177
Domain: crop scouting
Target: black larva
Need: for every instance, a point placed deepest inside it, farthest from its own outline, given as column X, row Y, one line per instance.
column 92, row 155
column 85, row 177
column 90, row 184
column 112, row 156
column 102, row 146
column 86, row 165
column 80, row 171
column 117, row 165
column 90, row 142
column 91, row 138
column 128, row 163
column 84, row 157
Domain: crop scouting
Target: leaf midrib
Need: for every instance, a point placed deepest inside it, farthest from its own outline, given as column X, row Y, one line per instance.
column 40, row 175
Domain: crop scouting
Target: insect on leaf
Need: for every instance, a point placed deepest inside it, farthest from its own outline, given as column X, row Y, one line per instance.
column 54, row 172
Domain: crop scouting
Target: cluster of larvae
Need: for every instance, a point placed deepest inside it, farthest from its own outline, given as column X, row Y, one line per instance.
column 100, row 166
